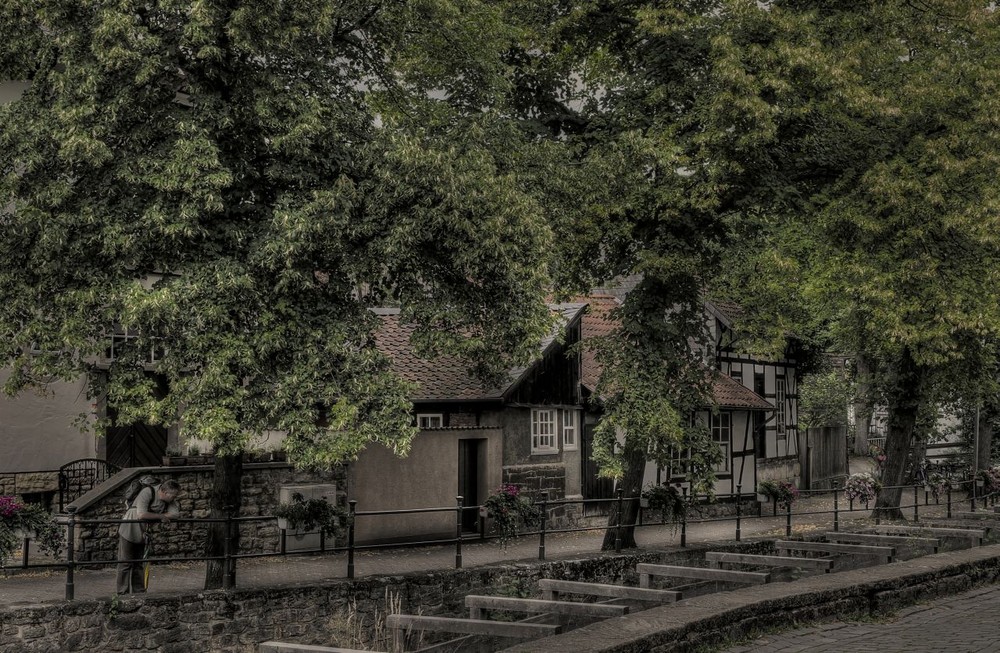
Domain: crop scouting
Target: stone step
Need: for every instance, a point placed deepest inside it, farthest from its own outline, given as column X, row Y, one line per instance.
column 824, row 564
column 885, row 552
column 287, row 647
column 976, row 535
column 477, row 604
column 646, row 571
column 884, row 540
column 552, row 588
column 518, row 630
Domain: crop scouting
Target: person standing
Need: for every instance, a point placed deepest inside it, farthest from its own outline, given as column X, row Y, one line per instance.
column 152, row 503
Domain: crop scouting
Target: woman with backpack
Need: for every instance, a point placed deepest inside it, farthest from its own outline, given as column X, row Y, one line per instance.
column 152, row 502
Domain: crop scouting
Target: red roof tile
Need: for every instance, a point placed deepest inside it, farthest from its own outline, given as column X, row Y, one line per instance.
column 447, row 377
column 726, row 391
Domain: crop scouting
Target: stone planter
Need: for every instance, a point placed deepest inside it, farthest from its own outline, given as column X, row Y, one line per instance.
column 763, row 498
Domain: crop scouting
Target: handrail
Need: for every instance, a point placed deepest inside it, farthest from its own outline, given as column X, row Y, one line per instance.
column 72, row 521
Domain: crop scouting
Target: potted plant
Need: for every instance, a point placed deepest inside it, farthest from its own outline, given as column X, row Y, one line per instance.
column 509, row 509
column 782, row 493
column 19, row 520
column 862, row 487
column 174, row 457
column 304, row 515
column 666, row 499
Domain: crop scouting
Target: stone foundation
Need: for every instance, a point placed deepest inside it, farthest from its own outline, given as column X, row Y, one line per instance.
column 261, row 484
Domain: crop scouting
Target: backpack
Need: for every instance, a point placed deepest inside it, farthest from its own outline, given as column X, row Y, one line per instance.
column 138, row 485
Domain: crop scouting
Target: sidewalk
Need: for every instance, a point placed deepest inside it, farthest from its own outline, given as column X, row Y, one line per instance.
column 18, row 589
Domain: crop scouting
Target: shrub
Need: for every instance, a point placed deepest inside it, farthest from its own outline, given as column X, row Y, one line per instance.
column 862, row 487
column 782, row 493
column 667, row 500
column 509, row 509
column 29, row 518
column 313, row 514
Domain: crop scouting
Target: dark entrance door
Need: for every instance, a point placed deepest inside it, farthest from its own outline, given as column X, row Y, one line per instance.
column 137, row 444
column 594, row 487
column 471, row 454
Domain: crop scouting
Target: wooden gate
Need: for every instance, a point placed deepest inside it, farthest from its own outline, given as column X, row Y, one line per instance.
column 136, row 445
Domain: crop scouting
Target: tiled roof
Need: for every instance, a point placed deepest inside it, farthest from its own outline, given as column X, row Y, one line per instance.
column 730, row 393
column 728, row 311
column 447, row 377
column 596, row 323
column 727, row 392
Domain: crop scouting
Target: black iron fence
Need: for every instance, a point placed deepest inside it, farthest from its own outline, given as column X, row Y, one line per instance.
column 230, row 556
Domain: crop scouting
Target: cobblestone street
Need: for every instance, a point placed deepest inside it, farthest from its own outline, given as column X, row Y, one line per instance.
column 965, row 623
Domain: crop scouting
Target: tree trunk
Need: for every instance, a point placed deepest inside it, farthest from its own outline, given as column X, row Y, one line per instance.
column 985, row 439
column 631, row 485
column 904, row 398
column 226, row 498
column 862, row 407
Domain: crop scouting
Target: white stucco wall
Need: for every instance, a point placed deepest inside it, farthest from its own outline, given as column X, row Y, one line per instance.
column 37, row 431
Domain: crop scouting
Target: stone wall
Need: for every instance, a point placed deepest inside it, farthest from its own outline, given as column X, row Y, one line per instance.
column 100, row 509
column 536, row 479
column 236, row 621
column 779, row 469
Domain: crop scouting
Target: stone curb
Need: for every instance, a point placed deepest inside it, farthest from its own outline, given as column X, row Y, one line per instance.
column 714, row 619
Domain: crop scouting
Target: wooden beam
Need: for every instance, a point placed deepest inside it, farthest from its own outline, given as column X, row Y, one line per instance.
column 891, row 540
column 477, row 604
column 700, row 573
column 829, row 547
column 824, row 564
column 552, row 588
column 518, row 630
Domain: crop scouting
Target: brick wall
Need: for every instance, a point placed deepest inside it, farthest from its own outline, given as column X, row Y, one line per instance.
column 261, row 484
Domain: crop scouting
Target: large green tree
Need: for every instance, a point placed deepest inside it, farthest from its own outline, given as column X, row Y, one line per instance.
column 870, row 151
column 234, row 184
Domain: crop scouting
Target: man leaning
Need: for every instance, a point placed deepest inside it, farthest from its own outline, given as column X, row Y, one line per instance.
column 153, row 503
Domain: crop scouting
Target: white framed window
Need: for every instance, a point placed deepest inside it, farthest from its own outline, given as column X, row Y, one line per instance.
column 569, row 430
column 780, row 393
column 543, row 431
column 430, row 420
column 722, row 429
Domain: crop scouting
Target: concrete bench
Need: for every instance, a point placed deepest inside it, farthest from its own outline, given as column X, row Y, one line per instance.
column 518, row 630
column 884, row 552
column 646, row 571
column 478, row 604
column 884, row 540
column 822, row 564
column 552, row 588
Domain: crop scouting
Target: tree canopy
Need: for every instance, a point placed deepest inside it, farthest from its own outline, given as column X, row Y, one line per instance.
column 230, row 186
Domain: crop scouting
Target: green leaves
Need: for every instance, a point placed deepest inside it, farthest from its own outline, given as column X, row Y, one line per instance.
column 212, row 182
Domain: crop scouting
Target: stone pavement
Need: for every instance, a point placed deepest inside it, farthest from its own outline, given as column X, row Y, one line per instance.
column 23, row 589
column 965, row 623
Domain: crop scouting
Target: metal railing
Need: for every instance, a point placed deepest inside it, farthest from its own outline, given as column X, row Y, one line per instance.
column 350, row 547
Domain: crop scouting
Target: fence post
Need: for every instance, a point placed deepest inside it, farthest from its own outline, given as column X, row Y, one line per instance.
column 836, row 509
column 739, row 509
column 684, row 518
column 228, row 573
column 973, row 497
column 458, row 532
column 352, row 508
column 618, row 526
column 541, row 530
column 949, row 500
column 70, row 551
column 916, row 504
column 878, row 513
column 788, row 519
column 24, row 551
